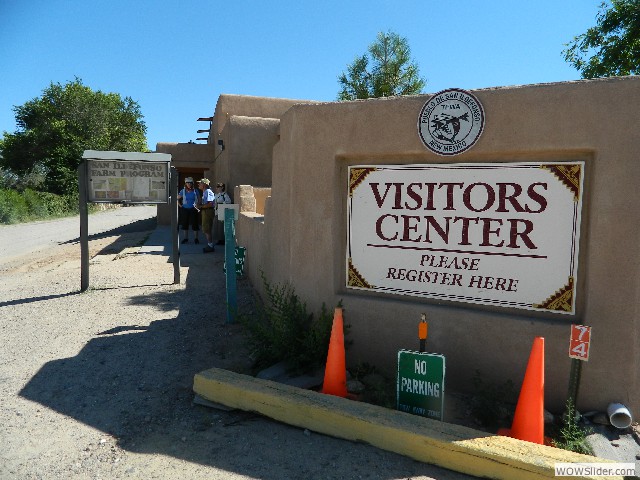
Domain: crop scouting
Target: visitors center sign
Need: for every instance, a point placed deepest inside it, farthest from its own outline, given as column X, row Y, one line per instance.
column 504, row 234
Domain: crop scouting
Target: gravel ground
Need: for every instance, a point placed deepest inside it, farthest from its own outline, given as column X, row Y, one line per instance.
column 98, row 385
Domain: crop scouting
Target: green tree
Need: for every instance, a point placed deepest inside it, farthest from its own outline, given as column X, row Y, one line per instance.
column 55, row 129
column 612, row 47
column 385, row 71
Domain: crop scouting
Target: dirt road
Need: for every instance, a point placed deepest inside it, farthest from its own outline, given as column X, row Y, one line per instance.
column 98, row 385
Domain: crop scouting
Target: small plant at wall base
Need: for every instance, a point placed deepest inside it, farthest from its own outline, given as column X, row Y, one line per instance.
column 489, row 404
column 378, row 389
column 283, row 330
column 572, row 436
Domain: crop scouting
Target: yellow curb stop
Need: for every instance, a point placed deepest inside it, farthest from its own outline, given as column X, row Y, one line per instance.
column 447, row 445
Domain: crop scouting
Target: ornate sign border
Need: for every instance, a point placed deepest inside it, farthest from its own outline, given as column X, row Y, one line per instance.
column 560, row 298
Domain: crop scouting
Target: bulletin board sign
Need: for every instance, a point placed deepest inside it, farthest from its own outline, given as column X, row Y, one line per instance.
column 501, row 234
column 127, row 177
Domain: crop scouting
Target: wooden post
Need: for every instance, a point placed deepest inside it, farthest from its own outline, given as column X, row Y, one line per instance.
column 84, row 226
column 175, row 245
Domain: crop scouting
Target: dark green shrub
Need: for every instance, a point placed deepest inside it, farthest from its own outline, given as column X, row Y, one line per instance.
column 36, row 204
column 283, row 330
column 379, row 389
column 28, row 204
column 59, row 206
column 13, row 207
column 490, row 404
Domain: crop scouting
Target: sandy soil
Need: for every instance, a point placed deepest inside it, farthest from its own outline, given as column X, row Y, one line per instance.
column 98, row 385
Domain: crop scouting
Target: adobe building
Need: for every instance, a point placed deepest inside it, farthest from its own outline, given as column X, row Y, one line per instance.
column 190, row 160
column 502, row 214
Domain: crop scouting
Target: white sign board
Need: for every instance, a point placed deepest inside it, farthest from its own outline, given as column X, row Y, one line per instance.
column 130, row 177
column 504, row 234
column 232, row 206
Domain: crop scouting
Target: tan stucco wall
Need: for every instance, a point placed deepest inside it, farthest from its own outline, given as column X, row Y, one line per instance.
column 261, row 195
column 301, row 238
column 249, row 128
column 249, row 143
column 248, row 106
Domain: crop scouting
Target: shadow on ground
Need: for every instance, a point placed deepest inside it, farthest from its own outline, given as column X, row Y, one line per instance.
column 134, row 383
column 145, row 226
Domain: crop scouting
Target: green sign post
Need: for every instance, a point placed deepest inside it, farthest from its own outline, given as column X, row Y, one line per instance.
column 420, row 388
column 229, row 255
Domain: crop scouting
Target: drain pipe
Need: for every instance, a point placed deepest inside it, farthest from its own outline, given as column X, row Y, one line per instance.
column 619, row 415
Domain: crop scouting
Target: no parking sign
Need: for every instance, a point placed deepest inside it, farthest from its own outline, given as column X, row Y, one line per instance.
column 420, row 387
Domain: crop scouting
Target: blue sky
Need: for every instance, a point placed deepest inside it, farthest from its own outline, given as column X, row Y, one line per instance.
column 176, row 57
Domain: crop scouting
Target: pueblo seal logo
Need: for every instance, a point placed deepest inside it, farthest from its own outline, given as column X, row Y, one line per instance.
column 451, row 122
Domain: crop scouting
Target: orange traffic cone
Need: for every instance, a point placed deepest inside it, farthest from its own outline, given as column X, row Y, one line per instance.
column 528, row 420
column 335, row 374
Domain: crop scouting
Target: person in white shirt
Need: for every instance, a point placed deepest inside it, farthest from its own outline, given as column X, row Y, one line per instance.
column 221, row 197
column 207, row 207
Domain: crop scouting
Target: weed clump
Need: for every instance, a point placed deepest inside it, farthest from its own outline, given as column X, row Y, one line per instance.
column 282, row 330
column 571, row 435
column 489, row 403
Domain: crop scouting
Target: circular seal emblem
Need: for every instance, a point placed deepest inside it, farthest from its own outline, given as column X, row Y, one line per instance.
column 451, row 121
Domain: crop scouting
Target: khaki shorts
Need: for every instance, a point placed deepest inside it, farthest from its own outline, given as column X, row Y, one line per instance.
column 207, row 219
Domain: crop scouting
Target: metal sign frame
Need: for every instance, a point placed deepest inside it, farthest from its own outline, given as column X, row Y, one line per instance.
column 120, row 167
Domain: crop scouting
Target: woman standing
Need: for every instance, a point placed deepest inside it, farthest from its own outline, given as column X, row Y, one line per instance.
column 189, row 201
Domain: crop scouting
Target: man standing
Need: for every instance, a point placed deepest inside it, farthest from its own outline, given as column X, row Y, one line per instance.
column 208, row 208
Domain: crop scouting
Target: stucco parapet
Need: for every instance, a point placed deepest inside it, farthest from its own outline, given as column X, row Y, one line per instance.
column 267, row 107
column 252, row 216
column 626, row 78
column 400, row 98
column 258, row 97
column 244, row 119
column 167, row 147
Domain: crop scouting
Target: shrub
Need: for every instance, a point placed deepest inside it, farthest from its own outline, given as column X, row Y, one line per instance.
column 489, row 403
column 571, row 435
column 36, row 205
column 13, row 207
column 283, row 330
column 21, row 206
